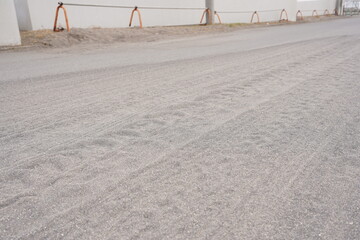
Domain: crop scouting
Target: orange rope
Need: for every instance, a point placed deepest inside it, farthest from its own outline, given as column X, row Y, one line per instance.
column 132, row 16
column 217, row 15
column 281, row 15
column 56, row 29
column 253, row 15
column 206, row 11
column 301, row 15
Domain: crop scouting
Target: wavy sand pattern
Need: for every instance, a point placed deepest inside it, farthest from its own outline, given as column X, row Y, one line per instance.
column 259, row 143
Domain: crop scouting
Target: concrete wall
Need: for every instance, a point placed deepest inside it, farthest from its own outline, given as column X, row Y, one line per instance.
column 250, row 6
column 42, row 13
column 9, row 30
column 307, row 6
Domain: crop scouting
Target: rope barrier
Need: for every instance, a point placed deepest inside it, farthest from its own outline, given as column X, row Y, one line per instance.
column 275, row 10
column 207, row 12
column 315, row 12
column 299, row 13
column 235, row 12
column 256, row 13
column 244, row 12
column 93, row 5
column 129, row 7
column 169, row 8
column 135, row 9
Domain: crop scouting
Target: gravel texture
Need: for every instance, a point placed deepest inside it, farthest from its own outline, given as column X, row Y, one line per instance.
column 252, row 134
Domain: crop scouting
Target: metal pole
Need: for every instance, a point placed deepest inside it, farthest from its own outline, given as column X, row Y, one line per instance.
column 210, row 5
column 339, row 7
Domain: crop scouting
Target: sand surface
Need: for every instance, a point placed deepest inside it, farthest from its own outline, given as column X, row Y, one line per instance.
column 252, row 134
column 100, row 37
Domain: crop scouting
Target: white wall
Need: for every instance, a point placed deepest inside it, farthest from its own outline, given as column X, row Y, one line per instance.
column 42, row 13
column 251, row 6
column 307, row 6
column 9, row 29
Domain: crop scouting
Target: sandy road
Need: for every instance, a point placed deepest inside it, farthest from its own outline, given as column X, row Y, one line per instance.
column 253, row 134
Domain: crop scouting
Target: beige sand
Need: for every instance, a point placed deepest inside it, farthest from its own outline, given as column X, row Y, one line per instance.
column 111, row 36
column 253, row 134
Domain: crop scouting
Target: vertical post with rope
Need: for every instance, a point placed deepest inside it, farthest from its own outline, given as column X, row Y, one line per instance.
column 253, row 15
column 56, row 29
column 205, row 13
column 299, row 15
column 136, row 9
column 210, row 14
column 218, row 17
column 286, row 15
